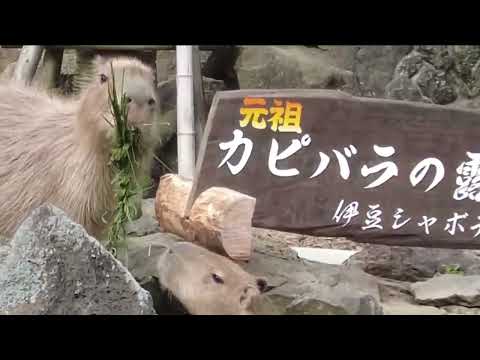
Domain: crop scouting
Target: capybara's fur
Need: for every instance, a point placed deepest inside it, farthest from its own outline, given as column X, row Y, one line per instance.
column 207, row 283
column 57, row 150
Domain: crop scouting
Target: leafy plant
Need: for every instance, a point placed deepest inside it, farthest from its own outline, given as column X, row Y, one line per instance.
column 453, row 269
column 125, row 150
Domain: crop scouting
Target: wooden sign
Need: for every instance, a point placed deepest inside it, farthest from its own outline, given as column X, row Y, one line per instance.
column 328, row 164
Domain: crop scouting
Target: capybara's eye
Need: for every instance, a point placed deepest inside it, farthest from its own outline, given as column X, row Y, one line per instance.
column 103, row 78
column 217, row 279
column 151, row 102
column 262, row 285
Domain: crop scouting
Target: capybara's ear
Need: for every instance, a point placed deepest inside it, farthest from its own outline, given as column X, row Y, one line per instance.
column 100, row 60
column 100, row 63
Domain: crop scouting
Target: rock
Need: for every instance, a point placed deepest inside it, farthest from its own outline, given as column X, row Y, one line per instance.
column 300, row 287
column 167, row 93
column 265, row 244
column 409, row 65
column 413, row 264
column 433, row 85
column 220, row 66
column 397, row 300
column 442, row 74
column 342, row 55
column 403, row 88
column 461, row 310
column 280, row 67
column 439, row 56
column 69, row 62
column 467, row 60
column 374, row 67
column 7, row 57
column 448, row 290
column 403, row 308
column 7, row 74
column 4, row 251
column 281, row 239
column 55, row 268
column 167, row 64
column 147, row 224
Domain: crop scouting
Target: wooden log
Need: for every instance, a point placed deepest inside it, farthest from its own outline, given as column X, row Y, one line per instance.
column 170, row 203
column 219, row 220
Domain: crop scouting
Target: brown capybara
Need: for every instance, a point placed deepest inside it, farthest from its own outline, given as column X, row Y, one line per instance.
column 206, row 283
column 57, row 150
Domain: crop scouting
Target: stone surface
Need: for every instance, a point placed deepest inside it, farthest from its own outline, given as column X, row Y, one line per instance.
column 413, row 264
column 448, row 290
column 280, row 239
column 4, row 251
column 403, row 88
column 403, row 308
column 55, row 268
column 374, row 67
column 167, row 64
column 7, row 57
column 461, row 310
column 300, row 287
column 147, row 224
column 281, row 67
column 441, row 74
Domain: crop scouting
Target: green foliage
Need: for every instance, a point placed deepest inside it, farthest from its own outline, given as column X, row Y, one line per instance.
column 453, row 269
column 126, row 185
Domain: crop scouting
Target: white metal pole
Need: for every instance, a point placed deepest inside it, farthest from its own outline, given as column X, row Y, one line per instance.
column 27, row 64
column 185, row 112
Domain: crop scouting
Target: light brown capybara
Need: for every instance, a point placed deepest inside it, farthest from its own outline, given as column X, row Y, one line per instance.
column 206, row 283
column 57, row 150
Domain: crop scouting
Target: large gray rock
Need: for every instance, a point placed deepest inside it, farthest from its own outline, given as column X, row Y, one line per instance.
column 461, row 310
column 166, row 61
column 300, row 287
column 404, row 308
column 444, row 75
column 413, row 264
column 374, row 67
column 7, row 57
column 289, row 67
column 4, row 251
column 448, row 290
column 55, row 268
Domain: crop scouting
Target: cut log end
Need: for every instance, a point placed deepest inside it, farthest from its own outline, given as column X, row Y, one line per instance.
column 219, row 220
